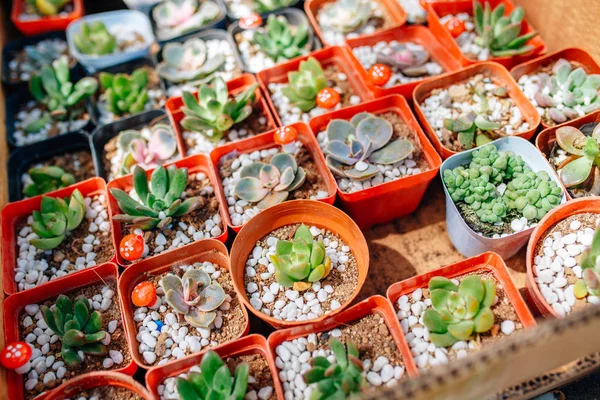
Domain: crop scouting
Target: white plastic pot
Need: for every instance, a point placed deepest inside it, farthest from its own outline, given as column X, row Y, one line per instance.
column 468, row 242
column 141, row 5
column 132, row 19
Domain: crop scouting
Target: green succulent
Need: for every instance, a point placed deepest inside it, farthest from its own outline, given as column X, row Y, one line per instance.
column 279, row 42
column 304, row 84
column 498, row 33
column 48, row 8
column 344, row 15
column 459, row 311
column 338, row 380
column 77, row 327
column 94, row 39
column 469, row 132
column 586, row 150
column 160, row 202
column 214, row 113
column 214, row 381
column 300, row 263
column 590, row 282
column 125, row 94
column 264, row 6
column 47, row 179
column 56, row 219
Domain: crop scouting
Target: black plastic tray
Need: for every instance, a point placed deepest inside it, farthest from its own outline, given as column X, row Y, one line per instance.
column 104, row 133
column 23, row 158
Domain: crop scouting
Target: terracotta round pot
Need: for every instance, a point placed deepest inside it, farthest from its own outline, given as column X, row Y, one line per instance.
column 92, row 380
column 309, row 212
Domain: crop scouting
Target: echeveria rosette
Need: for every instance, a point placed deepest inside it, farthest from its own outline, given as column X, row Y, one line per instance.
column 279, row 41
column 344, row 16
column 47, row 179
column 125, row 94
column 194, row 295
column 95, row 39
column 77, row 327
column 459, row 311
column 148, row 154
column 583, row 154
column 177, row 17
column 188, row 61
column 304, row 84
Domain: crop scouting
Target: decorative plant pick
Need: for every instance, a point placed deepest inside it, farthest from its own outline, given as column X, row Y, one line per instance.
column 279, row 41
column 214, row 381
column 456, row 26
column 269, row 184
column 251, row 21
column 188, row 61
column 160, row 203
column 340, row 379
column 176, row 17
column 76, row 327
column 147, row 154
column 56, row 219
column 459, row 311
column 583, row 158
column 300, row 263
column 286, row 138
column 353, row 147
column 124, row 93
column 95, row 39
column 345, row 15
column 304, row 84
column 16, row 356
column 590, row 284
column 131, row 247
column 193, row 295
column 144, row 294
column 47, row 179
column 379, row 74
column 328, row 98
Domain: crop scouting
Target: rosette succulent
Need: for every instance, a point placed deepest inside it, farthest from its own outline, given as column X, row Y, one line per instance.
column 214, row 112
column 279, row 40
column 459, row 311
column 160, row 202
column 304, row 84
column 340, row 379
column 95, row 39
column 302, row 262
column 56, row 219
column 47, row 179
column 471, row 130
column 188, row 61
column 148, row 154
column 176, row 17
column 590, row 264
column 48, row 8
column 194, row 295
column 499, row 33
column 345, row 15
column 269, row 184
column 214, row 381
column 125, row 94
column 404, row 58
column 353, row 148
column 77, row 327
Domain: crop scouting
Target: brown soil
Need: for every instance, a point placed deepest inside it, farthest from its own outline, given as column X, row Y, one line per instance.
column 91, row 363
column 78, row 113
column 22, row 59
column 108, row 392
column 331, row 73
column 138, row 39
column 259, row 370
column 66, row 161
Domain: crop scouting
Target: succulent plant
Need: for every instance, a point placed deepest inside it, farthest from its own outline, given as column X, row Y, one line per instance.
column 340, row 379
column 55, row 219
column 125, row 93
column 471, row 130
column 499, row 33
column 176, row 17
column 94, row 39
column 590, row 264
column 401, row 57
column 269, row 184
column 77, row 327
column 48, row 8
column 345, row 15
column 279, row 41
column 188, row 61
column 214, row 113
column 264, row 6
column 214, row 381
column 147, row 154
column 47, row 179
column 353, row 147
column 302, row 262
column 160, row 203
column 194, row 295
column 304, row 84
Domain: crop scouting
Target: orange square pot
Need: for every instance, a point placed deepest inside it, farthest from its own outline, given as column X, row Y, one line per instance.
column 374, row 305
column 235, row 86
column 14, row 304
column 390, row 7
column 416, row 34
column 499, row 76
column 15, row 212
column 210, row 250
column 44, row 24
column 194, row 164
column 339, row 56
column 266, row 141
column 577, row 55
column 439, row 9
column 390, row 200
column 92, row 380
column 248, row 345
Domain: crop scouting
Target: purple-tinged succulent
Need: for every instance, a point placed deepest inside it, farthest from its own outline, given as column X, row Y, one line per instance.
column 148, row 154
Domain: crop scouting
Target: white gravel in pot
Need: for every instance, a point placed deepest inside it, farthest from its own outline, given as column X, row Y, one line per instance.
column 466, row 40
column 24, row 70
column 416, row 14
column 23, row 118
column 332, row 37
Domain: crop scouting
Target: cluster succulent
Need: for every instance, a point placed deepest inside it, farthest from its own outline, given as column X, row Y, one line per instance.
column 301, row 262
column 354, row 147
column 264, row 6
column 47, row 179
column 194, row 295
column 214, row 112
column 345, row 15
column 471, row 130
column 188, row 62
column 95, row 39
column 48, row 8
column 400, row 57
column 280, row 42
column 159, row 203
column 304, row 84
column 125, row 94
column 177, row 17
column 148, row 154
column 459, row 311
column 499, row 33
column 339, row 379
column 53, row 88
column 269, row 184
column 214, row 381
column 77, row 327
column 55, row 219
